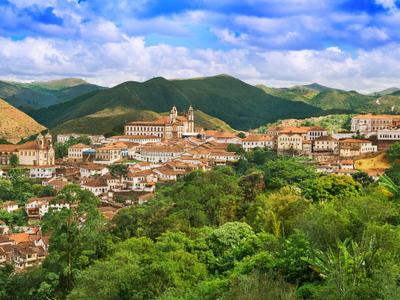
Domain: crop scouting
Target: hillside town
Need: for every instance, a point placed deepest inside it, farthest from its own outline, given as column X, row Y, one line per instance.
column 162, row 151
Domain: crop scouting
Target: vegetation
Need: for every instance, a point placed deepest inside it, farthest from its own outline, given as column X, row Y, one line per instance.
column 269, row 228
column 112, row 121
column 332, row 123
column 61, row 149
column 249, row 107
column 28, row 96
column 338, row 100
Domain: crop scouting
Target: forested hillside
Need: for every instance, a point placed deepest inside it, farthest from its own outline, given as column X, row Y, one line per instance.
column 241, row 105
column 268, row 228
column 35, row 95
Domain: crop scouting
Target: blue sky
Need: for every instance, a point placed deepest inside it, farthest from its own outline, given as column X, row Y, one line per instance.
column 351, row 44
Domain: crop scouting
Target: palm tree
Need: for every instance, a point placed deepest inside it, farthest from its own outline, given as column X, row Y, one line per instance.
column 389, row 185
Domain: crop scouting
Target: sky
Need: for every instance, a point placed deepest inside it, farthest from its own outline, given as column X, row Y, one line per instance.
column 348, row 44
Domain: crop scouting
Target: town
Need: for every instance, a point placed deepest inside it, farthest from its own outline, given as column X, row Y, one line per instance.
column 126, row 170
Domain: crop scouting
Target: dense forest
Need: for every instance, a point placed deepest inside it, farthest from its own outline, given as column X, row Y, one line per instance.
column 269, row 227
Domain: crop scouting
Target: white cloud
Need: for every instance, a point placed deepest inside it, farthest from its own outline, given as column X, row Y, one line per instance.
column 388, row 4
column 112, row 62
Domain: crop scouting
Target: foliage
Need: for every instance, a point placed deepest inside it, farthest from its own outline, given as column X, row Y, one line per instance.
column 268, row 228
column 61, row 149
column 14, row 161
column 393, row 153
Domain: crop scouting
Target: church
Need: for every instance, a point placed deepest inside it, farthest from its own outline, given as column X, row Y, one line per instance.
column 39, row 152
column 168, row 127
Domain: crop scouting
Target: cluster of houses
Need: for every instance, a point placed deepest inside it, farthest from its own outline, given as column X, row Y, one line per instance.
column 161, row 151
column 24, row 249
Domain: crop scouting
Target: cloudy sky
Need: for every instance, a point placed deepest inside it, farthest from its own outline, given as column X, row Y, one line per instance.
column 350, row 44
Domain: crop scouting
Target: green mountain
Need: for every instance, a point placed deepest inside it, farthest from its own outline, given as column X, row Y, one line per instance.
column 35, row 95
column 339, row 101
column 235, row 102
column 386, row 92
column 113, row 120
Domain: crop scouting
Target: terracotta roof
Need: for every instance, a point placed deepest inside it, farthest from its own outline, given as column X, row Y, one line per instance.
column 300, row 129
column 95, row 182
column 371, row 116
column 258, row 138
column 80, row 146
column 135, row 137
column 326, row 138
column 113, row 146
column 219, row 134
column 20, row 237
column 354, row 141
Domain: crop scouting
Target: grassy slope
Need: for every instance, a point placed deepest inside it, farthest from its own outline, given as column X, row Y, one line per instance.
column 108, row 119
column 240, row 105
column 15, row 124
column 28, row 96
column 333, row 123
column 338, row 100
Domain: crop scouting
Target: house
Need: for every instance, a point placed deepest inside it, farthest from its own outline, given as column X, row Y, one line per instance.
column 27, row 255
column 97, row 186
column 222, row 137
column 36, row 208
column 369, row 124
column 258, row 141
column 75, row 152
column 388, row 135
column 168, row 127
column 139, row 139
column 57, row 183
column 141, row 181
column 110, row 153
column 220, row 157
column 158, row 153
column 293, row 138
column 42, row 171
column 9, row 206
column 355, row 147
column 90, row 170
column 325, row 143
column 347, row 164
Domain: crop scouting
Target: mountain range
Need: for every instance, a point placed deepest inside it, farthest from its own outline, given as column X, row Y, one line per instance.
column 34, row 95
column 221, row 102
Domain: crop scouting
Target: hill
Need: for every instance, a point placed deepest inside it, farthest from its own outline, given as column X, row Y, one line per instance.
column 339, row 101
column 109, row 120
column 35, row 95
column 386, row 92
column 235, row 102
column 15, row 124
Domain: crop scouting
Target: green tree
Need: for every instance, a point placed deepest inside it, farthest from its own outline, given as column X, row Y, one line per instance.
column 363, row 178
column 14, row 161
column 393, row 153
column 287, row 171
column 118, row 170
column 330, row 187
column 78, row 236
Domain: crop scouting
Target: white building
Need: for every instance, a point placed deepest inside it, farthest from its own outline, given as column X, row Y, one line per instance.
column 258, row 141
column 158, row 153
column 75, row 152
column 389, row 135
column 42, row 171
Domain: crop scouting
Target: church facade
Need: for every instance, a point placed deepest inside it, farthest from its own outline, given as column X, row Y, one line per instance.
column 168, row 127
column 39, row 152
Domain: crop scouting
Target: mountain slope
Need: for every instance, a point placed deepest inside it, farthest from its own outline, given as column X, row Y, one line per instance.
column 15, row 124
column 109, row 120
column 28, row 96
column 240, row 105
column 339, row 101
